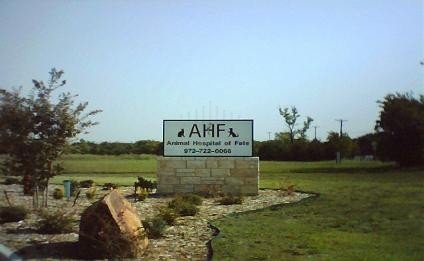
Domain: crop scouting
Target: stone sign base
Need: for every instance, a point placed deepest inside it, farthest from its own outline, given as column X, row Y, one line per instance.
column 208, row 175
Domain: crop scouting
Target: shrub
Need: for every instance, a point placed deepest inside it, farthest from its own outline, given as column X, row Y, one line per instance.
column 12, row 214
column 10, row 181
column 145, row 184
column 141, row 194
column 168, row 215
column 87, row 183
column 91, row 193
column 109, row 186
column 154, row 227
column 231, row 200
column 58, row 222
column 192, row 198
column 185, row 205
column 188, row 198
column 183, row 208
column 187, row 209
column 58, row 193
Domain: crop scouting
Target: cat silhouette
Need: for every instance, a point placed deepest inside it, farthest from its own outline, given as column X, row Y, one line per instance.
column 181, row 133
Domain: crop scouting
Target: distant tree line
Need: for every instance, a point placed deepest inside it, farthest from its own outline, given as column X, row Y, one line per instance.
column 116, row 148
column 281, row 148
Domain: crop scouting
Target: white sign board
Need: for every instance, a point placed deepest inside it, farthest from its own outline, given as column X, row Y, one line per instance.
column 208, row 138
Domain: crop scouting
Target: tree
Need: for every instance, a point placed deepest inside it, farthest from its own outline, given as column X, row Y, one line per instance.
column 345, row 145
column 367, row 144
column 34, row 131
column 401, row 129
column 290, row 118
column 283, row 136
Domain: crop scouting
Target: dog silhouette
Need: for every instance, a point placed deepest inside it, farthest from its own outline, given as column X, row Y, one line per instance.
column 231, row 133
column 181, row 133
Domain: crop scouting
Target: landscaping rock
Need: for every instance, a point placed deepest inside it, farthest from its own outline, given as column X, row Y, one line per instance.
column 111, row 228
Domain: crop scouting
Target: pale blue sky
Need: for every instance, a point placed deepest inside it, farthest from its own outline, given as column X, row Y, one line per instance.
column 145, row 61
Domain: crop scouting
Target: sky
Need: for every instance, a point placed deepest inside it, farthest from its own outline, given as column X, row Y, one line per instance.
column 142, row 62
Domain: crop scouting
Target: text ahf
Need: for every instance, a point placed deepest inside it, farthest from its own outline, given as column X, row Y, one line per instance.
column 209, row 130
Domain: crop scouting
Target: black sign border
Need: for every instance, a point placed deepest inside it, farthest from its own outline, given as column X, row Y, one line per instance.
column 195, row 156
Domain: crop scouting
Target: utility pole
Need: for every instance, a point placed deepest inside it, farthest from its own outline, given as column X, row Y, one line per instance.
column 341, row 126
column 269, row 135
column 315, row 127
column 339, row 153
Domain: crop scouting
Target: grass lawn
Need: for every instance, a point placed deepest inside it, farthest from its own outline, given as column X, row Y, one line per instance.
column 362, row 215
column 122, row 169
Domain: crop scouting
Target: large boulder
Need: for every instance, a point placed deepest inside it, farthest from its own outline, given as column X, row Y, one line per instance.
column 111, row 228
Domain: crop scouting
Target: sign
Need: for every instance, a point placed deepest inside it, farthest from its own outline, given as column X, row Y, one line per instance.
column 208, row 138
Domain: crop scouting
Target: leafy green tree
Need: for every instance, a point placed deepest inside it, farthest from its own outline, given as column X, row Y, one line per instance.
column 283, row 136
column 290, row 118
column 401, row 129
column 345, row 145
column 35, row 130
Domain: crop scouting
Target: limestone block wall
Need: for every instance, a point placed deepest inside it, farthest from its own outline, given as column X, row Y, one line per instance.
column 208, row 175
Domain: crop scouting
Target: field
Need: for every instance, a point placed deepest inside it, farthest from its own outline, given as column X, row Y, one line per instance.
column 364, row 210
column 122, row 170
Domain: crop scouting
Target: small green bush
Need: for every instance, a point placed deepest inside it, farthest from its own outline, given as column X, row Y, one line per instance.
column 154, row 227
column 12, row 214
column 86, row 183
column 58, row 222
column 58, row 193
column 231, row 200
column 10, row 181
column 91, row 192
column 185, row 205
column 145, row 184
column 187, row 209
column 187, row 198
column 168, row 215
column 183, row 208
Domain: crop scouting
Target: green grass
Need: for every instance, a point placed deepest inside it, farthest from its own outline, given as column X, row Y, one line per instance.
column 121, row 169
column 124, row 169
column 358, row 216
column 109, row 164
